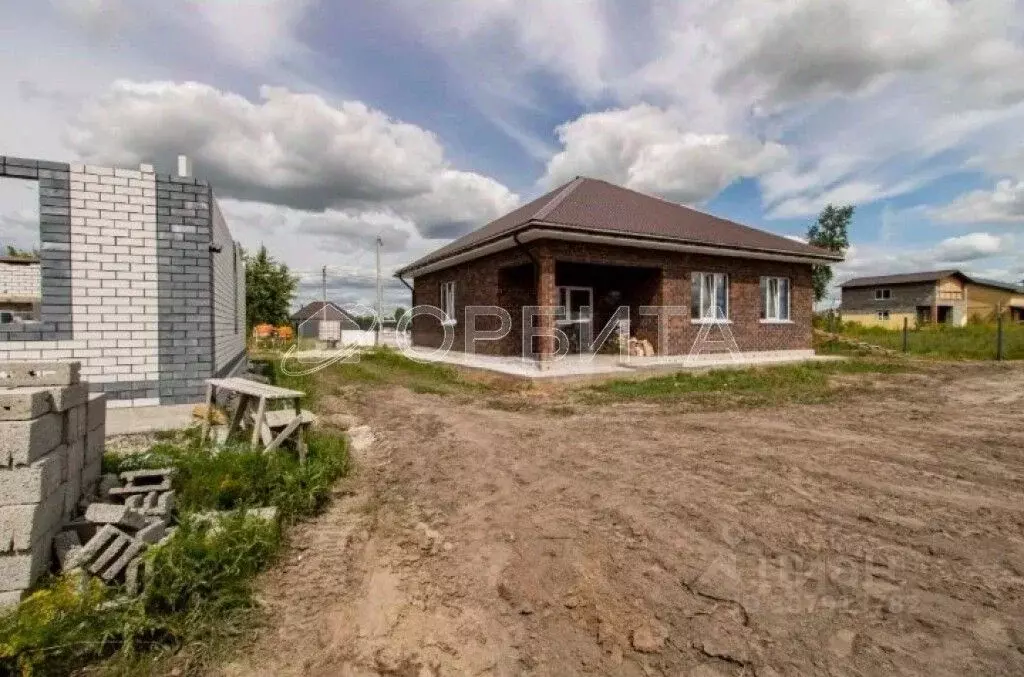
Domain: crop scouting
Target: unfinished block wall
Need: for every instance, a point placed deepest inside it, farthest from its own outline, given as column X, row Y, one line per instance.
column 51, row 451
column 127, row 261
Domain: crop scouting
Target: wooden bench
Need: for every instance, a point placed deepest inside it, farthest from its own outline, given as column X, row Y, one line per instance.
column 264, row 421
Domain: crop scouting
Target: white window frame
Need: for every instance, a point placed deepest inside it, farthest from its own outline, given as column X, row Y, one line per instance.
column 883, row 294
column 698, row 279
column 766, row 283
column 448, row 302
column 882, row 315
column 563, row 317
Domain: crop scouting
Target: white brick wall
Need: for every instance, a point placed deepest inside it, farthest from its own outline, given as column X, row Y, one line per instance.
column 19, row 279
column 114, row 279
column 228, row 294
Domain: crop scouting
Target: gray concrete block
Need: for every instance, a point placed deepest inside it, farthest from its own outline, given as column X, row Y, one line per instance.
column 148, row 475
column 135, row 501
column 96, row 414
column 22, row 404
column 18, row 374
column 94, row 445
column 133, row 575
column 33, row 483
column 72, row 495
column 23, row 525
column 91, row 477
column 69, row 396
column 153, row 532
column 75, row 458
column 141, row 489
column 164, row 505
column 109, row 553
column 113, row 513
column 92, row 547
column 74, row 424
column 22, row 442
column 106, row 483
column 10, row 599
column 19, row 570
column 130, row 552
column 65, row 545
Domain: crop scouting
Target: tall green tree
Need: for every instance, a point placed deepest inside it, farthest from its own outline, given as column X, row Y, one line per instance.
column 269, row 288
column 829, row 233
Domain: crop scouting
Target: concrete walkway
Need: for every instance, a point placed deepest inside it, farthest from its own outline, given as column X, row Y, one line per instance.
column 134, row 420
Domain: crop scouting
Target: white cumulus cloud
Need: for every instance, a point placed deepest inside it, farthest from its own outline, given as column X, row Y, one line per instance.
column 650, row 149
column 292, row 149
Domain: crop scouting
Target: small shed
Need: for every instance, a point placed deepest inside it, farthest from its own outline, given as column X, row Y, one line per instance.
column 308, row 320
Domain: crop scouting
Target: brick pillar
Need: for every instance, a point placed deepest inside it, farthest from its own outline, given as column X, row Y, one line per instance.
column 547, row 299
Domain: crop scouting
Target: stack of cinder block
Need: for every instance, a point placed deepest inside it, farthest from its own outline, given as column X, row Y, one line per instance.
column 51, row 451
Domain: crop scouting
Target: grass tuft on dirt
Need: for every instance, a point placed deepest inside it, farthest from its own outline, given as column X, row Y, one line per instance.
column 806, row 383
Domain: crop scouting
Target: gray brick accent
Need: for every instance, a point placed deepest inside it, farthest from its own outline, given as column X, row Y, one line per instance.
column 184, row 288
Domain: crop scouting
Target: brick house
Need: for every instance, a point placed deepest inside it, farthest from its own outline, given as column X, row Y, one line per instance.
column 139, row 279
column 930, row 297
column 588, row 248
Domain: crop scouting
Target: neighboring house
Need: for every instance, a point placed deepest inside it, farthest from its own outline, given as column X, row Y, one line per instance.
column 589, row 247
column 139, row 280
column 19, row 288
column 938, row 296
column 308, row 319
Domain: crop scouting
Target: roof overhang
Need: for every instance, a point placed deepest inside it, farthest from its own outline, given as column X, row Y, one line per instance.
column 542, row 231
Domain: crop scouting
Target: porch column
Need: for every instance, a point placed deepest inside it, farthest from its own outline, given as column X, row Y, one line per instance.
column 547, row 299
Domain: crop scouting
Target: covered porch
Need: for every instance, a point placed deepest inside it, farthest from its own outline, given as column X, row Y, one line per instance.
column 578, row 299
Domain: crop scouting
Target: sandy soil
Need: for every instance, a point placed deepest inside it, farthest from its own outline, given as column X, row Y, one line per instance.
column 880, row 535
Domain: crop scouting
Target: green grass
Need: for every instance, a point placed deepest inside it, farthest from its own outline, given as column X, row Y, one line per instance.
column 383, row 367
column 800, row 383
column 971, row 342
column 198, row 591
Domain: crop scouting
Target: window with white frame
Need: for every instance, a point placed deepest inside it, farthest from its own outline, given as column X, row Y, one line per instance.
column 709, row 297
column 448, row 301
column 883, row 294
column 775, row 299
column 575, row 304
column 883, row 314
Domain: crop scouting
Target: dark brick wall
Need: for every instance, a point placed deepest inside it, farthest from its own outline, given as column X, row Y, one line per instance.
column 499, row 280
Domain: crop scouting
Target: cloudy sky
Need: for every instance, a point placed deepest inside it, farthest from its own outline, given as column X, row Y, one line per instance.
column 323, row 123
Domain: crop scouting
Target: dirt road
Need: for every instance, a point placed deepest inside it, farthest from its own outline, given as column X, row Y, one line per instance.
column 880, row 535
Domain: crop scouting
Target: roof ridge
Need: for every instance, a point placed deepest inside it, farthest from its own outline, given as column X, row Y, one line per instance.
column 554, row 202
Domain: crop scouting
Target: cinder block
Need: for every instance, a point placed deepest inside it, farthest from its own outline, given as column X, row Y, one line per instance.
column 12, row 598
column 91, row 477
column 18, row 374
column 153, row 532
column 18, row 571
column 22, row 404
column 94, row 445
column 65, row 545
column 34, row 483
column 22, row 442
column 130, row 552
column 23, row 525
column 133, row 575
column 113, row 513
column 96, row 414
column 75, row 423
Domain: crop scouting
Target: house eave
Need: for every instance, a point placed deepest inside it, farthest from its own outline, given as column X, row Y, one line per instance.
column 541, row 230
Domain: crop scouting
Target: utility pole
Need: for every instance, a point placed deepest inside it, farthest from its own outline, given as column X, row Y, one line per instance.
column 323, row 285
column 380, row 317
